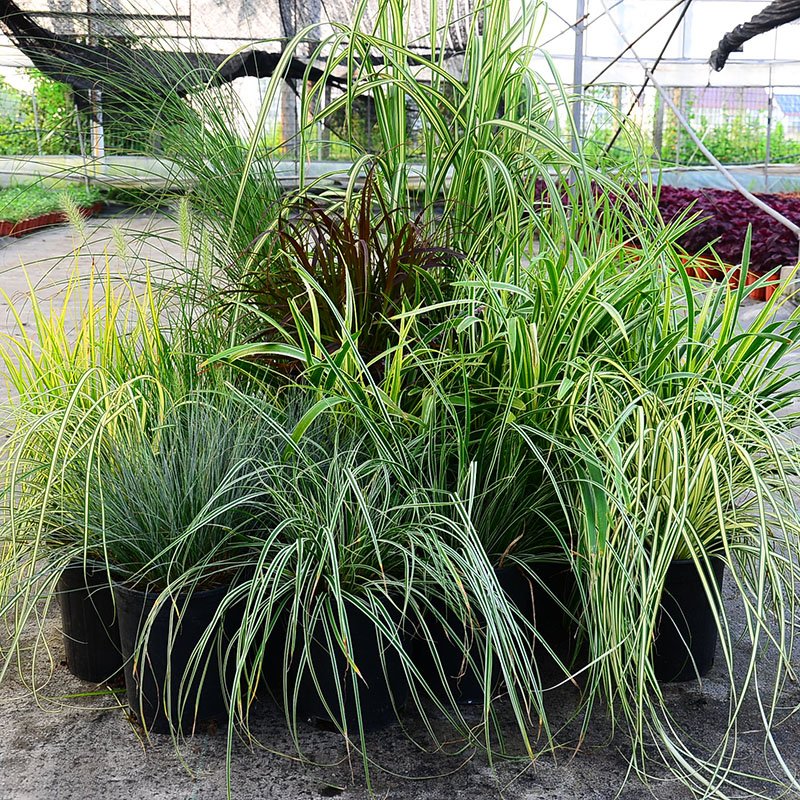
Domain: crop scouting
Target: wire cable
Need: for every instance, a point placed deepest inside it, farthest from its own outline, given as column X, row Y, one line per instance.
column 639, row 37
column 573, row 25
column 640, row 93
column 767, row 209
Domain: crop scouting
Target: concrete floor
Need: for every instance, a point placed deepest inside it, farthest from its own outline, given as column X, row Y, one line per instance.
column 48, row 257
column 70, row 743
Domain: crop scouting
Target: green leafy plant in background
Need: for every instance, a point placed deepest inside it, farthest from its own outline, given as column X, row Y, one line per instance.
column 58, row 130
column 736, row 140
column 737, row 137
column 18, row 203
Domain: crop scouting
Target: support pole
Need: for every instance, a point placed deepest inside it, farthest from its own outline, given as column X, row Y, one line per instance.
column 36, row 122
column 577, row 74
column 325, row 132
column 96, row 133
column 768, row 147
column 82, row 145
column 767, row 209
column 289, row 121
column 683, row 106
column 658, row 127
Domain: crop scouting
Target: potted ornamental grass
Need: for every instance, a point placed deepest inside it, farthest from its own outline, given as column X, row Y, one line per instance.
column 346, row 585
column 686, row 469
column 496, row 412
column 651, row 421
column 166, row 512
column 326, row 603
column 61, row 387
column 117, row 369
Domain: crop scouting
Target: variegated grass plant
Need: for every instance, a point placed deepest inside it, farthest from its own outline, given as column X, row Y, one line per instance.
column 165, row 508
column 359, row 538
column 101, row 356
column 690, row 454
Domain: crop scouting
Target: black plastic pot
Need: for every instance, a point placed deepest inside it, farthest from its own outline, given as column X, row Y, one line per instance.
column 382, row 685
column 173, row 637
column 686, row 630
column 552, row 593
column 465, row 685
column 89, row 623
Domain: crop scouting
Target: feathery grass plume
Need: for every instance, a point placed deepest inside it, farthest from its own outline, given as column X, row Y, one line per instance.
column 21, row 202
column 200, row 145
column 73, row 214
column 121, row 249
column 185, row 225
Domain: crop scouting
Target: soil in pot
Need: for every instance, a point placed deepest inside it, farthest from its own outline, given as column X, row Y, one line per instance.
column 382, row 682
column 159, row 683
column 89, row 623
column 686, row 630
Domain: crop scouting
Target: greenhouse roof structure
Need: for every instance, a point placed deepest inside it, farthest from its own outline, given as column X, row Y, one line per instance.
column 679, row 35
column 686, row 30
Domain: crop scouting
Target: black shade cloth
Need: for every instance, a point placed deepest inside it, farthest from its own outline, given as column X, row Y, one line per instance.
column 84, row 64
column 775, row 14
column 95, row 66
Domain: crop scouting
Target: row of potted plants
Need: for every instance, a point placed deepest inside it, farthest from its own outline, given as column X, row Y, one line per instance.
column 348, row 558
column 165, row 559
column 28, row 208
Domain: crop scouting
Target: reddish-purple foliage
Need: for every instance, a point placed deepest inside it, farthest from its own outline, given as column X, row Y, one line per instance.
column 726, row 215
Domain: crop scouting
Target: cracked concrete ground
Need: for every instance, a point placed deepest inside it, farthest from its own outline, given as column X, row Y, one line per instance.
column 71, row 742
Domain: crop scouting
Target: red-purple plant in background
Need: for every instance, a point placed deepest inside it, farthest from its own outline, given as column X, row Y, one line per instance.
column 722, row 220
column 725, row 216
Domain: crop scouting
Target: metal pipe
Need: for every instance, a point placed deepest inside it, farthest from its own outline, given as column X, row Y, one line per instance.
column 82, row 145
column 36, row 122
column 577, row 75
column 768, row 146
